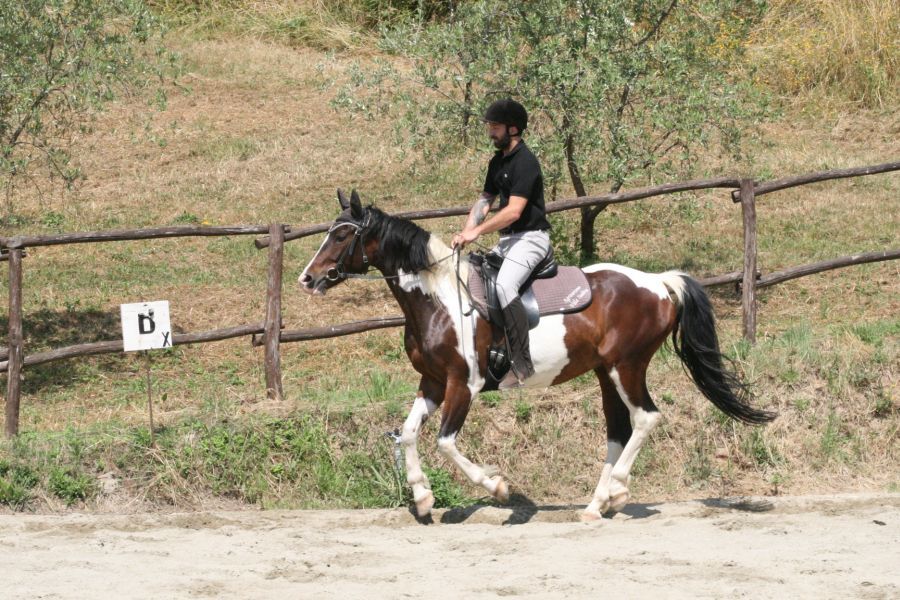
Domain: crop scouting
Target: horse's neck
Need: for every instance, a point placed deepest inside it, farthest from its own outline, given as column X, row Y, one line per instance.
column 421, row 294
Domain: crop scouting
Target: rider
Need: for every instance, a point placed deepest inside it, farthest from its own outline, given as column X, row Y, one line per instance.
column 515, row 175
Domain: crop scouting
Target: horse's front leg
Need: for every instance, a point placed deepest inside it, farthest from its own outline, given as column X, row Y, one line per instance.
column 457, row 400
column 426, row 402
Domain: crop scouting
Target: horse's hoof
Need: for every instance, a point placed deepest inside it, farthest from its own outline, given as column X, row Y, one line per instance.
column 501, row 491
column 590, row 516
column 425, row 504
column 618, row 501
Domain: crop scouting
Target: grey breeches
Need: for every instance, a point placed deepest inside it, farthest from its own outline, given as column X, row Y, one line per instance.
column 522, row 252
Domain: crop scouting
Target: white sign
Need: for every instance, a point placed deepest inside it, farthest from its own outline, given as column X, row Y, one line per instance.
column 145, row 325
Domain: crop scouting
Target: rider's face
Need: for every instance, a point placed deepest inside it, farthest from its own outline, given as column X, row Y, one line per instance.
column 499, row 134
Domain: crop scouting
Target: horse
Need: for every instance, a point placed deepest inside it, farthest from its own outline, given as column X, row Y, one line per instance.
column 631, row 314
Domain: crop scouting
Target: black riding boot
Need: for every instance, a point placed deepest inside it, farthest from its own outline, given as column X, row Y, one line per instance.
column 516, row 322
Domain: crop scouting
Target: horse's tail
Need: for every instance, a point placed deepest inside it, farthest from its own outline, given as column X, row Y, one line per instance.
column 697, row 345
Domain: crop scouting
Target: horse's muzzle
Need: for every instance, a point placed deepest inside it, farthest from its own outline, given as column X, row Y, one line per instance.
column 312, row 286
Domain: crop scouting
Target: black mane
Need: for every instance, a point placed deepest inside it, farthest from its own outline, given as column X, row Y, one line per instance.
column 402, row 243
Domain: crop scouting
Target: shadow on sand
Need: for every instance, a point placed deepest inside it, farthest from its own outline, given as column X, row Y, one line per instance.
column 521, row 509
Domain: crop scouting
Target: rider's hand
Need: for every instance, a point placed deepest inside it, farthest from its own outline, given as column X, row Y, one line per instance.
column 464, row 237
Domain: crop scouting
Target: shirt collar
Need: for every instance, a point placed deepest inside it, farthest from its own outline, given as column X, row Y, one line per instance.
column 511, row 154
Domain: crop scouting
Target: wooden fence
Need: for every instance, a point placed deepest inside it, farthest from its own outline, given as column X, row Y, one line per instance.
column 269, row 333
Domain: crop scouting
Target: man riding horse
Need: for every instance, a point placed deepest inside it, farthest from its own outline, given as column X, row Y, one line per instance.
column 628, row 316
column 514, row 174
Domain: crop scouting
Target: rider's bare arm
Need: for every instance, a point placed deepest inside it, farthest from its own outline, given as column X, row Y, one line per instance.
column 480, row 210
column 506, row 217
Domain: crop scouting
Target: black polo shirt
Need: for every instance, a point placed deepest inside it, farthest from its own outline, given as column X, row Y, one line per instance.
column 518, row 174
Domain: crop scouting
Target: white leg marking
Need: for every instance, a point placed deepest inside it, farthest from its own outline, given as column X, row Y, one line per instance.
column 600, row 502
column 447, row 447
column 494, row 485
column 422, row 409
column 642, row 423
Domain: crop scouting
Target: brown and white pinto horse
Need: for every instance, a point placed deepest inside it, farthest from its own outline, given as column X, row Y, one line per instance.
column 631, row 315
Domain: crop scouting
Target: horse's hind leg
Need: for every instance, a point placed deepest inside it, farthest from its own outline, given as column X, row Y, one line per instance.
column 457, row 400
column 618, row 433
column 630, row 416
column 630, row 382
column 426, row 402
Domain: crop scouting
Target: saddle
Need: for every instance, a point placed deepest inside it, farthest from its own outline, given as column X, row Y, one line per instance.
column 549, row 290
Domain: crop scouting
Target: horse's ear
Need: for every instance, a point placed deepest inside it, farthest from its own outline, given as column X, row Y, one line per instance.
column 345, row 204
column 356, row 209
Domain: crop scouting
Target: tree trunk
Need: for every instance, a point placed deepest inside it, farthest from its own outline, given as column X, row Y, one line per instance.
column 588, row 213
column 467, row 115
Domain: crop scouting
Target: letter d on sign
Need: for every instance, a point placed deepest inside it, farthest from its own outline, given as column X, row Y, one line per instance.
column 145, row 325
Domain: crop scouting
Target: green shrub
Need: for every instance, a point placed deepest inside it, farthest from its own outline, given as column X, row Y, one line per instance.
column 12, row 495
column 70, row 485
column 447, row 493
column 523, row 411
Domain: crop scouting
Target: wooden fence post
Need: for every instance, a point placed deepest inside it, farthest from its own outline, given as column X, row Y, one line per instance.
column 14, row 374
column 748, row 288
column 274, row 387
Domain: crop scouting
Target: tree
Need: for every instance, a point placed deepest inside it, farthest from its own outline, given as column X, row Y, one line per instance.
column 619, row 90
column 59, row 61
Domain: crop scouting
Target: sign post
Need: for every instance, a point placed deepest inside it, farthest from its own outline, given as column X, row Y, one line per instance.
column 145, row 326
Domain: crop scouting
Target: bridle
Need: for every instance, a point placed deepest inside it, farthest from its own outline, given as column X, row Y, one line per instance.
column 337, row 272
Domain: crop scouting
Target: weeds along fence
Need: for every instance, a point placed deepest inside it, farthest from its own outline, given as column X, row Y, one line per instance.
column 268, row 332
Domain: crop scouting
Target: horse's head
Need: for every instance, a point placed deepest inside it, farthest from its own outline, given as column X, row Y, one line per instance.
column 344, row 249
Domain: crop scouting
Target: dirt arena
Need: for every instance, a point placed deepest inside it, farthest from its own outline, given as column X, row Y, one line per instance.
column 845, row 546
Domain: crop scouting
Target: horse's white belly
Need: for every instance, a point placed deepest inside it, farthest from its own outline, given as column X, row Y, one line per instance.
column 548, row 351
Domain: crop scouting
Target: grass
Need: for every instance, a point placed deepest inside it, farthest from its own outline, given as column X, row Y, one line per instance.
column 291, row 461
column 817, row 48
column 295, row 23
column 249, row 137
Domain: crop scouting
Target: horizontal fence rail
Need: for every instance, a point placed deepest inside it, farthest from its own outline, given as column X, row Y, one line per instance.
column 354, row 327
column 551, row 207
column 124, row 235
column 330, row 331
column 827, row 265
column 789, row 182
column 735, row 277
column 413, row 215
column 113, row 346
column 270, row 332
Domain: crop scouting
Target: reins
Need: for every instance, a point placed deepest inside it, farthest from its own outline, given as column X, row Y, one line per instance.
column 459, row 285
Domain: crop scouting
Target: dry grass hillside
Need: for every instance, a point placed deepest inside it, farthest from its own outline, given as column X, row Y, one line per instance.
column 249, row 137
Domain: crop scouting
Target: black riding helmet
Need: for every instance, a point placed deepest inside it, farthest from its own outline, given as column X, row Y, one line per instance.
column 508, row 112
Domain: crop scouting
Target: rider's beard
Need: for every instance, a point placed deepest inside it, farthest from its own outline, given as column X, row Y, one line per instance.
column 502, row 143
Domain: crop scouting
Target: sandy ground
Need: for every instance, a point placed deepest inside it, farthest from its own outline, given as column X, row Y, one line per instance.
column 811, row 547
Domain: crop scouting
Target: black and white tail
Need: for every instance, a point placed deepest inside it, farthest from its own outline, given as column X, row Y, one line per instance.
column 697, row 345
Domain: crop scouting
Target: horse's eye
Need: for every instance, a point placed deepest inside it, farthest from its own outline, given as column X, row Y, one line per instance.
column 340, row 236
